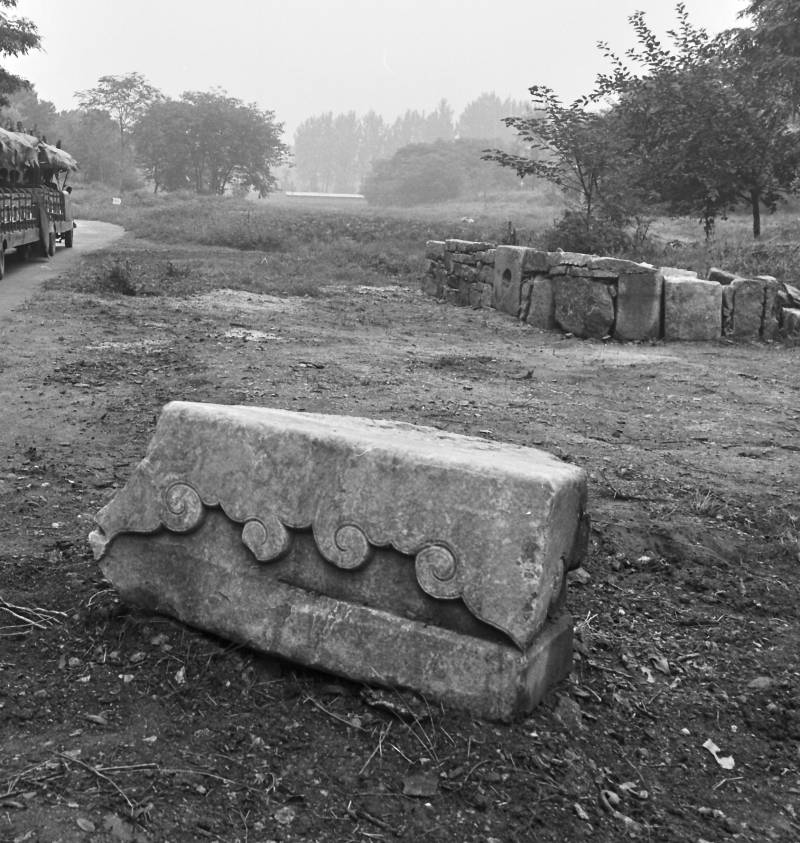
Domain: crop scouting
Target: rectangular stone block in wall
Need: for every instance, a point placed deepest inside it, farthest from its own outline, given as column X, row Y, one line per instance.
column 639, row 306
column 771, row 323
column 790, row 324
column 583, row 307
column 542, row 307
column 508, row 278
column 380, row 551
column 748, row 308
column 692, row 309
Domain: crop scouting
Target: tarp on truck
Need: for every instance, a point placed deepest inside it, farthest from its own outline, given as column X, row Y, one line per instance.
column 56, row 159
column 18, row 150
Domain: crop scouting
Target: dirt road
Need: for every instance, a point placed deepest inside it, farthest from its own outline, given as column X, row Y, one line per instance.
column 22, row 278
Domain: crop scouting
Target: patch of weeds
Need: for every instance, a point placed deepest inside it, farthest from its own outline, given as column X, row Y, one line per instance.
column 706, row 504
column 176, row 270
column 119, row 278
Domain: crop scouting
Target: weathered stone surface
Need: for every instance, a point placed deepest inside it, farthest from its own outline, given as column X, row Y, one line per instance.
column 569, row 259
column 535, row 260
column 541, row 311
column 748, row 308
column 461, row 257
column 432, row 283
column 692, row 309
column 793, row 293
column 583, row 307
column 360, row 547
column 639, row 306
column 525, row 298
column 465, row 286
column 771, row 322
column 675, row 272
column 579, row 271
column 508, row 278
column 435, row 249
column 612, row 268
column 790, row 323
column 466, row 246
column 727, row 310
column 721, row 276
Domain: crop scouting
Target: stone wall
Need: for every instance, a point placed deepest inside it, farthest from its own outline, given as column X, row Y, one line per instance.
column 591, row 296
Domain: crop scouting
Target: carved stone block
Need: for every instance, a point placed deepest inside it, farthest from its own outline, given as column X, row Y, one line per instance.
column 364, row 548
column 508, row 278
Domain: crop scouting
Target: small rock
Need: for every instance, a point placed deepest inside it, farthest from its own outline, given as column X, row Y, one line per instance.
column 580, row 576
column 760, row 683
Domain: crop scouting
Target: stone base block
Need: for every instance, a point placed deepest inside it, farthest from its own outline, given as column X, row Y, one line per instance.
column 639, row 306
column 209, row 580
column 541, row 312
column 692, row 309
column 748, row 308
column 583, row 307
column 508, row 278
column 380, row 551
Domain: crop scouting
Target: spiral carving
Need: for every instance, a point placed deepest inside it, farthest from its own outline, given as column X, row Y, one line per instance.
column 350, row 547
column 182, row 508
column 437, row 572
column 267, row 538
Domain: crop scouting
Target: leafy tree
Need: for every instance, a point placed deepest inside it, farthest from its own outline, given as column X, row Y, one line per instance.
column 705, row 133
column 18, row 36
column 124, row 98
column 575, row 149
column 91, row 136
column 771, row 47
column 161, row 144
column 416, row 174
column 210, row 142
column 433, row 172
column 38, row 116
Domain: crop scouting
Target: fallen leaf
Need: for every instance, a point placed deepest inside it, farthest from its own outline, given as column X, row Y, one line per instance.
column 85, row 825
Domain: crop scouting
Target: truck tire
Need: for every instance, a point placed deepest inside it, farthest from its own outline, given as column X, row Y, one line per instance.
column 51, row 244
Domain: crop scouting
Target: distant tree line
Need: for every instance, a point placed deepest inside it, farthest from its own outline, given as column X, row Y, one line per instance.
column 336, row 153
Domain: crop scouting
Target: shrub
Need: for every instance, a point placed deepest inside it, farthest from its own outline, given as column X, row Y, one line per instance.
column 602, row 236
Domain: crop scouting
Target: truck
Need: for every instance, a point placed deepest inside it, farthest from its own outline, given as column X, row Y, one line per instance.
column 35, row 206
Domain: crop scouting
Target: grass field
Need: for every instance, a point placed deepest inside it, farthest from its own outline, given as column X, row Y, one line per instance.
column 341, row 233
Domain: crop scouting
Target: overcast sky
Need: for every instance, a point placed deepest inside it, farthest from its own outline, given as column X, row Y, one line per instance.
column 302, row 57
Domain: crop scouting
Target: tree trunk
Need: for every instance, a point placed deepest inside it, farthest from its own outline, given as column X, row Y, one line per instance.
column 755, row 201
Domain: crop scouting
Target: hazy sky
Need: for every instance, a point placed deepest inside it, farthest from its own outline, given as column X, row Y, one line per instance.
column 302, row 57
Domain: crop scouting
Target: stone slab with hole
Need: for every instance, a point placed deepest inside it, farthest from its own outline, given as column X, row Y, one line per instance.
column 379, row 551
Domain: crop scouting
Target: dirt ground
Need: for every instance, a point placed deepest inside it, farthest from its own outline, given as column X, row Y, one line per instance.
column 116, row 726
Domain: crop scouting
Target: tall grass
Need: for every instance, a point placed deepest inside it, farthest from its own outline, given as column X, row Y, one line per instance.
column 349, row 238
